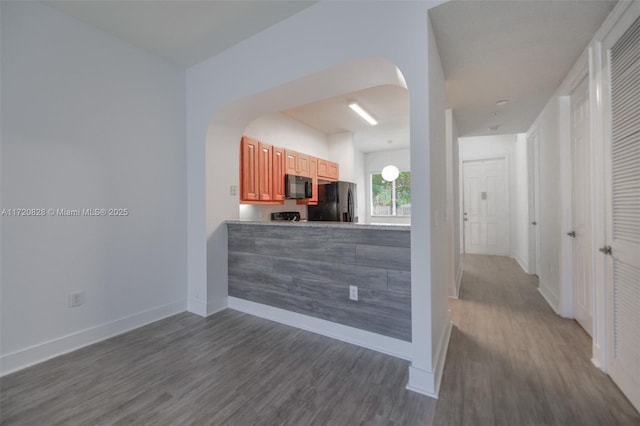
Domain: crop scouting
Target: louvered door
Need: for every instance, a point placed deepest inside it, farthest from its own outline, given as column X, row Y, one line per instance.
column 624, row 217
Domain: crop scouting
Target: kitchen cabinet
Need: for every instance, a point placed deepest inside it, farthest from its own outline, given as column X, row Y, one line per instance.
column 263, row 167
column 256, row 170
column 249, row 169
column 313, row 172
column 328, row 170
column 297, row 163
column 265, row 172
column 278, row 173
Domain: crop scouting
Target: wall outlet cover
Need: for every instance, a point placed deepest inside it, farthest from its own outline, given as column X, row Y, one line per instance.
column 353, row 293
column 76, row 299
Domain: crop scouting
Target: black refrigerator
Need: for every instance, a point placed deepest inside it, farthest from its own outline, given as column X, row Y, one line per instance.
column 336, row 203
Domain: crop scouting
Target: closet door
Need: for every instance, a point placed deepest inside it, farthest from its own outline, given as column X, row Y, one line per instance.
column 623, row 216
column 581, row 207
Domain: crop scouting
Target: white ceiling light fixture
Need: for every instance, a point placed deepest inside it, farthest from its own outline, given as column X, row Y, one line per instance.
column 502, row 102
column 390, row 173
column 362, row 113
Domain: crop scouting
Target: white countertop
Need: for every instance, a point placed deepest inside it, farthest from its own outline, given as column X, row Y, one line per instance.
column 315, row 224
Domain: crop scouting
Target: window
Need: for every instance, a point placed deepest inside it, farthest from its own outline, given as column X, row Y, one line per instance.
column 391, row 198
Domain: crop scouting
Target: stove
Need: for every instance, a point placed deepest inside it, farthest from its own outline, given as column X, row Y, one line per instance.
column 286, row 216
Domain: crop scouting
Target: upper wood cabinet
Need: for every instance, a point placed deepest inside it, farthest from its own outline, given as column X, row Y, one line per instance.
column 278, row 173
column 256, row 170
column 328, row 170
column 313, row 172
column 297, row 163
column 263, row 167
column 265, row 172
column 249, row 169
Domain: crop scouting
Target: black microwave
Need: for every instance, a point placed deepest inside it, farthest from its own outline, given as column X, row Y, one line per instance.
column 297, row 187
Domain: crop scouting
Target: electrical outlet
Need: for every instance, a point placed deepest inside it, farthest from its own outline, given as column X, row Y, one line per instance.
column 76, row 299
column 233, row 190
column 353, row 292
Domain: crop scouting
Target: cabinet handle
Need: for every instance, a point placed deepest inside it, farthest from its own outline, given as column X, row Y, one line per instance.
column 572, row 234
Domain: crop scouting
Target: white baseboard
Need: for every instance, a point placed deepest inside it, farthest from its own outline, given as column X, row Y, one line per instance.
column 217, row 305
column 428, row 382
column 458, row 280
column 36, row 354
column 523, row 264
column 197, row 306
column 597, row 354
column 377, row 342
column 204, row 309
column 551, row 299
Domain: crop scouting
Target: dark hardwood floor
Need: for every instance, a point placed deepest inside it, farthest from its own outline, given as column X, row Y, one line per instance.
column 511, row 361
column 228, row 369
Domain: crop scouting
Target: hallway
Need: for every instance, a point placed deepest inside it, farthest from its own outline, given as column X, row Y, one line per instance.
column 513, row 361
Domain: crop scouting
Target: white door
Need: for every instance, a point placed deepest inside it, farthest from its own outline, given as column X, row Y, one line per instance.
column 581, row 207
column 486, row 207
column 623, row 214
column 534, row 202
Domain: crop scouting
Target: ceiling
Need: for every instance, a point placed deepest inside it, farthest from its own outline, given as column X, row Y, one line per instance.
column 518, row 50
column 184, row 32
column 388, row 104
column 515, row 50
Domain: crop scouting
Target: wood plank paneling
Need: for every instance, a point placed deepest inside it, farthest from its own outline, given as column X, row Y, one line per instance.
column 399, row 281
column 361, row 276
column 366, row 237
column 384, row 256
column 307, row 269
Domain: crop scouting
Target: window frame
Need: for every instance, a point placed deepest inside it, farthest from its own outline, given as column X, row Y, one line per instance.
column 394, row 200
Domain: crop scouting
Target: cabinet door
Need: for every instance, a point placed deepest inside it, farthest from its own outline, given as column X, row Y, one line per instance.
column 334, row 170
column 323, row 168
column 265, row 172
column 290, row 162
column 248, row 169
column 304, row 165
column 278, row 173
column 327, row 170
column 313, row 171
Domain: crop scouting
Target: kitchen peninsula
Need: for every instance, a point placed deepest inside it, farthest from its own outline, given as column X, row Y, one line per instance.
column 309, row 267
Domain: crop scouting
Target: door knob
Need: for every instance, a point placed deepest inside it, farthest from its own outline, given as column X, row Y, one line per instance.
column 605, row 250
column 572, row 234
column 534, row 223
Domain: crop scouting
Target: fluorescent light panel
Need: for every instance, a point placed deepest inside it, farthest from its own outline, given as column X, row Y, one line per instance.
column 362, row 113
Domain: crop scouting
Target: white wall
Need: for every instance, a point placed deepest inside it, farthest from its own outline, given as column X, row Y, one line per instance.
column 342, row 150
column 279, row 130
column 453, row 205
column 513, row 149
column 225, row 93
column 520, row 204
column 439, row 253
column 361, row 183
column 374, row 162
column 87, row 122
